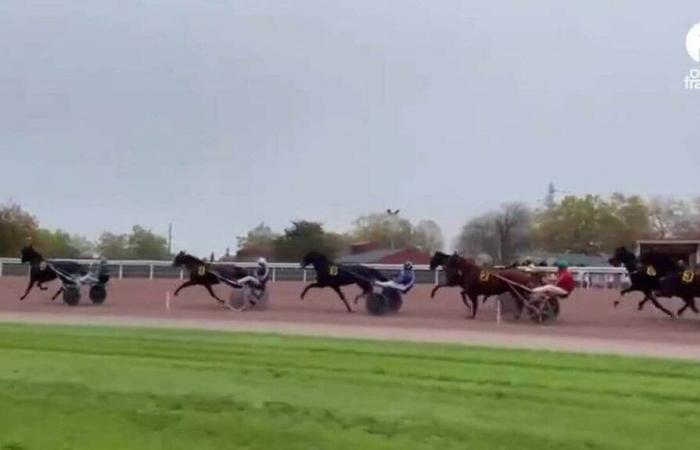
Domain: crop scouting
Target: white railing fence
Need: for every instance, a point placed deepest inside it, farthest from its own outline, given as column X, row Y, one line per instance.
column 607, row 277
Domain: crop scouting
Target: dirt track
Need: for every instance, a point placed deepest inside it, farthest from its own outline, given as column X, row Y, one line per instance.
column 588, row 322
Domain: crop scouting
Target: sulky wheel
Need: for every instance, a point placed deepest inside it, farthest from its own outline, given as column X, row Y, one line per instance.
column 71, row 295
column 238, row 300
column 259, row 298
column 394, row 300
column 377, row 304
column 98, row 294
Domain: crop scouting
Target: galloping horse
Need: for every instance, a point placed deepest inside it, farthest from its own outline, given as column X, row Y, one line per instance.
column 207, row 274
column 334, row 276
column 644, row 274
column 454, row 276
column 476, row 281
column 41, row 271
column 685, row 285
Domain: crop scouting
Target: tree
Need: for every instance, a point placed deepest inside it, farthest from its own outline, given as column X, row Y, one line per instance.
column 513, row 226
column 427, row 236
column 501, row 234
column 674, row 218
column 16, row 225
column 385, row 229
column 478, row 236
column 302, row 237
column 260, row 237
column 592, row 225
column 113, row 246
column 144, row 244
column 60, row 244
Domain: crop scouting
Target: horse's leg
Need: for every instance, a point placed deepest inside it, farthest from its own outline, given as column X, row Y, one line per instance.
column 306, row 289
column 58, row 292
column 689, row 303
column 641, row 304
column 465, row 300
column 435, row 289
column 682, row 309
column 342, row 297
column 184, row 285
column 486, row 297
column 29, row 288
column 41, row 286
column 366, row 290
column 656, row 303
column 211, row 292
column 475, row 304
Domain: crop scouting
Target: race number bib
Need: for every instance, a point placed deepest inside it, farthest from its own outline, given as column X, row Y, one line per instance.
column 484, row 276
column 43, row 265
column 201, row 270
column 651, row 271
column 688, row 276
column 333, row 271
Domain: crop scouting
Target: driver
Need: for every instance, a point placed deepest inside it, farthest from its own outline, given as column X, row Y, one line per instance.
column 258, row 280
column 403, row 281
column 564, row 285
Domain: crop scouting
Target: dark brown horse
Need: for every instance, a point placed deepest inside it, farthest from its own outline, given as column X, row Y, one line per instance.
column 476, row 281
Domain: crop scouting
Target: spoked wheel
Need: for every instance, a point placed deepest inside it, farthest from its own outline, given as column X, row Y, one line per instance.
column 71, row 295
column 543, row 310
column 394, row 300
column 257, row 298
column 377, row 304
column 238, row 300
column 98, row 294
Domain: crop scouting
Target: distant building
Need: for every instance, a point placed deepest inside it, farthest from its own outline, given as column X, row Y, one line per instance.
column 687, row 251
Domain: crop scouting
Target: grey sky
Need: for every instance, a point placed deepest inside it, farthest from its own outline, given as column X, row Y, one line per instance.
column 217, row 115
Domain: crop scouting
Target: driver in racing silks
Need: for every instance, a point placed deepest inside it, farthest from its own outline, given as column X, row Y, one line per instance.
column 403, row 281
column 258, row 280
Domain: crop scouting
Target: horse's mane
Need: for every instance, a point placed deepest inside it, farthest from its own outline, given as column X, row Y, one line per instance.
column 31, row 252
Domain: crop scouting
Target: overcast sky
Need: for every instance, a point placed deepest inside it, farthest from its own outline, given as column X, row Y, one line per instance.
column 216, row 115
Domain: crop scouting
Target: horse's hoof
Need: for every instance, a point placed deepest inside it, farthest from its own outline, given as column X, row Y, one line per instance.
column 616, row 303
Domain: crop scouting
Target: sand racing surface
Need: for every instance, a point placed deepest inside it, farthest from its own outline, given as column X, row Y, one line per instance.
column 588, row 322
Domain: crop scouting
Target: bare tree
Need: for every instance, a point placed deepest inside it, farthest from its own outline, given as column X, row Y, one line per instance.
column 501, row 234
column 513, row 225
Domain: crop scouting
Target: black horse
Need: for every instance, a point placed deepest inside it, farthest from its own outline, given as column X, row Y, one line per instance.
column 206, row 274
column 685, row 284
column 42, row 271
column 329, row 274
column 644, row 274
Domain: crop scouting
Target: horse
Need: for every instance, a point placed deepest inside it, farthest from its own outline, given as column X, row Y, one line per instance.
column 206, row 274
column 42, row 271
column 476, row 281
column 453, row 276
column 644, row 274
column 685, row 285
column 329, row 274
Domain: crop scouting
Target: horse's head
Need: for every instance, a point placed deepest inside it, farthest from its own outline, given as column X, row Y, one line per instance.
column 313, row 258
column 182, row 259
column 624, row 257
column 438, row 259
column 29, row 255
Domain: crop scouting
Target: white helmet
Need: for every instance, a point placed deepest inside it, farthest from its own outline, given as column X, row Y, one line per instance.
column 262, row 262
